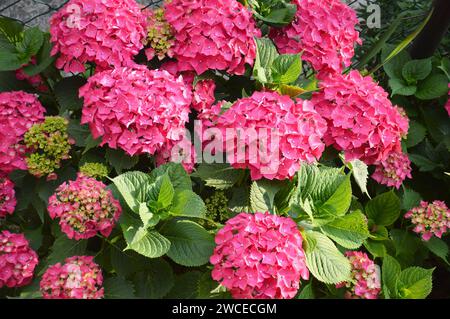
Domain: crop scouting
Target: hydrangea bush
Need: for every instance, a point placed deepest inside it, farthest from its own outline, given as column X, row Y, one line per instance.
column 220, row 149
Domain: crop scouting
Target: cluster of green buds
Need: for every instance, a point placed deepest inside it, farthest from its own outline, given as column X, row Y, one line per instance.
column 160, row 38
column 217, row 207
column 95, row 170
column 49, row 144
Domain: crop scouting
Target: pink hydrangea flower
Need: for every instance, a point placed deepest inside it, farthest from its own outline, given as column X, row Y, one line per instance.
column 78, row 278
column 447, row 106
column 35, row 81
column 7, row 197
column 362, row 121
column 212, row 35
column 393, row 170
column 84, row 207
column 18, row 112
column 17, row 260
column 365, row 277
column 272, row 135
column 107, row 32
column 430, row 219
column 259, row 256
column 324, row 30
column 136, row 109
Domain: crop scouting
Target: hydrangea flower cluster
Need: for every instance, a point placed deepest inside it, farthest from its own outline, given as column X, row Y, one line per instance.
column 49, row 145
column 35, row 81
column 106, row 32
column 393, row 170
column 94, row 170
column 285, row 133
column 78, row 278
column 7, row 197
column 160, row 37
column 212, row 35
column 217, row 207
column 17, row 260
column 324, row 30
column 84, row 207
column 362, row 121
column 259, row 256
column 18, row 112
column 136, row 109
column 365, row 277
column 430, row 219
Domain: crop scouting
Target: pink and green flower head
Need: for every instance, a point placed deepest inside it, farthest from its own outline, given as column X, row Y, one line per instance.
column 430, row 219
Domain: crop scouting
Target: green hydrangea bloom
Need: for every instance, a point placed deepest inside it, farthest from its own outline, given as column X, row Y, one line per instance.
column 217, row 207
column 95, row 170
column 159, row 38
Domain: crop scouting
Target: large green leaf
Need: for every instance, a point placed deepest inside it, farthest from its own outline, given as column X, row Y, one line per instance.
column 148, row 243
column 415, row 283
column 185, row 286
column 416, row 134
column 191, row 245
column 433, row 87
column 177, row 174
column 324, row 260
column 390, row 272
column 266, row 53
column 384, row 209
column 155, row 281
column 133, row 187
column 219, row 176
column 188, row 204
column 64, row 247
column 262, row 195
column 410, row 199
column 349, row 231
column 66, row 92
column 33, row 38
column 118, row 288
column 339, row 203
column 400, row 87
column 166, row 192
column 438, row 247
column 286, row 68
column 416, row 70
column 120, row 160
column 360, row 174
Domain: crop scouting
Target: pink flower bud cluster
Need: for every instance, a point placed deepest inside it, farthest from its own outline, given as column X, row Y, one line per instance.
column 78, row 278
column 259, row 256
column 17, row 260
column 136, row 109
column 18, row 112
column 365, row 277
column 84, row 207
column 106, row 32
column 324, row 30
column 430, row 219
column 393, row 170
column 7, row 197
column 212, row 35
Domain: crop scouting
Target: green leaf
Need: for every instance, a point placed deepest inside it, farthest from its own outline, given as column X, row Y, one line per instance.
column 279, row 17
column 120, row 160
column 410, row 199
column 185, row 286
column 307, row 292
column 44, row 59
column 132, row 187
column 384, row 209
column 262, row 195
column 150, row 244
column 78, row 132
column 191, row 244
column 433, row 87
column 349, row 231
column 123, row 262
column 156, row 281
column 118, row 288
column 286, row 68
column 415, row 283
column 376, row 249
column 218, row 176
column 438, row 247
column 324, row 260
column 406, row 246
column 177, row 174
column 64, row 247
column 416, row 134
column 11, row 29
column 209, row 289
column 424, row 164
column 379, row 233
column 339, row 203
column 188, row 204
column 400, row 87
column 33, row 38
column 166, row 192
column 394, row 67
column 360, row 173
column 266, row 52
column 416, row 70
column 390, row 272
column 66, row 92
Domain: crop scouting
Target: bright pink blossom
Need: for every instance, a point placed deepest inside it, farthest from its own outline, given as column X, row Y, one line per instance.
column 365, row 277
column 84, row 207
column 35, row 81
column 212, row 35
column 107, row 32
column 259, row 256
column 18, row 112
column 362, row 121
column 136, row 109
column 7, row 197
column 393, row 170
column 78, row 278
column 324, row 30
column 272, row 135
column 430, row 219
column 17, row 260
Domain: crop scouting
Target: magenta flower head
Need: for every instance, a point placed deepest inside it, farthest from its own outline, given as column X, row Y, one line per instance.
column 78, row 278
column 212, row 35
column 259, row 256
column 393, row 170
column 362, row 121
column 430, row 219
column 278, row 134
column 7, row 197
column 447, row 106
column 106, row 32
column 17, row 260
column 365, row 277
column 18, row 112
column 136, row 109
column 324, row 30
column 84, row 207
